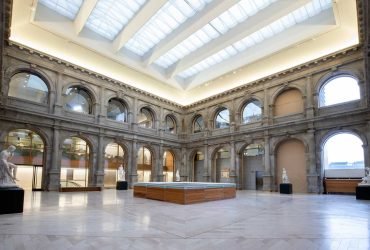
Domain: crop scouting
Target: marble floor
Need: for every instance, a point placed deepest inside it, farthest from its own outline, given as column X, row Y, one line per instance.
column 114, row 219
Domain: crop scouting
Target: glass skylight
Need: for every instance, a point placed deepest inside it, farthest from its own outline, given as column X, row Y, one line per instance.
column 217, row 27
column 110, row 16
column 311, row 9
column 168, row 18
column 67, row 8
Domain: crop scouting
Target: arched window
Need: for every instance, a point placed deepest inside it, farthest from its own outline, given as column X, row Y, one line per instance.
column 28, row 87
column 78, row 100
column 340, row 89
column 29, row 156
column 253, row 150
column 116, row 111
column 75, row 163
column 145, row 119
column 170, row 124
column 222, row 119
column 343, row 151
column 198, row 124
column 113, row 158
column 144, row 165
column 252, row 112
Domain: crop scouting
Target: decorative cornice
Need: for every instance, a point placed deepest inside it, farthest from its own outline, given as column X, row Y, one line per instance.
column 83, row 70
column 285, row 73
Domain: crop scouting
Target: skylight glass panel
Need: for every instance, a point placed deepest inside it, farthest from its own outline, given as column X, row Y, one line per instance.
column 67, row 8
column 109, row 17
column 218, row 26
column 167, row 19
column 301, row 14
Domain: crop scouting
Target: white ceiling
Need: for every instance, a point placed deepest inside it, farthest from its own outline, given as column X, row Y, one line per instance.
column 185, row 50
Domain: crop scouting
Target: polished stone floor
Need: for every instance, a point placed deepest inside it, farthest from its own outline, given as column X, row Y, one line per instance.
column 254, row 220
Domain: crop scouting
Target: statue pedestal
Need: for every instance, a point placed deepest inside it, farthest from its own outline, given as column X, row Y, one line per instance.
column 12, row 199
column 121, row 185
column 286, row 188
column 363, row 192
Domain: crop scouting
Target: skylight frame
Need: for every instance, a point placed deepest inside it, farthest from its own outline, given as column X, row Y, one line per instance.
column 312, row 8
column 176, row 10
column 109, row 17
column 233, row 16
column 66, row 8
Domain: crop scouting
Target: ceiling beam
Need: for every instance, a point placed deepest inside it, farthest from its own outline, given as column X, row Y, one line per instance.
column 141, row 17
column 83, row 14
column 210, row 12
column 33, row 10
column 244, row 29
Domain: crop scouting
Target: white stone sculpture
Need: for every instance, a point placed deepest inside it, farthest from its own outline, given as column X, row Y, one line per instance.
column 366, row 178
column 177, row 175
column 121, row 173
column 8, row 170
column 284, row 176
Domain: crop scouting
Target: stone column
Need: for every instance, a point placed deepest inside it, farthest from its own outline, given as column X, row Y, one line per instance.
column 366, row 155
column 99, row 170
column 54, row 171
column 159, row 168
column 47, row 163
column 312, row 176
column 134, row 115
column 206, row 168
column 266, row 108
column 184, row 168
column 58, row 106
column 237, row 172
column 268, row 159
column 51, row 101
column 103, row 108
column 233, row 174
column 133, row 167
column 309, row 98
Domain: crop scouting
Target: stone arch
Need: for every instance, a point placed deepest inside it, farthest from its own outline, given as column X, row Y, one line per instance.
column 153, row 112
column 15, row 69
column 84, row 86
column 214, row 112
column 283, row 90
column 193, row 175
column 245, row 101
column 319, row 85
column 175, row 119
column 331, row 74
column 122, row 99
column 218, row 167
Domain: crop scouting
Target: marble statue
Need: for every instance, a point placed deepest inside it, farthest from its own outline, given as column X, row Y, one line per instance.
column 177, row 175
column 366, row 178
column 284, row 176
column 121, row 173
column 8, row 170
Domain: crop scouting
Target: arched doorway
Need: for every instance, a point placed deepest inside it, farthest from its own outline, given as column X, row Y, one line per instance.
column 290, row 155
column 113, row 158
column 221, row 166
column 168, row 166
column 75, row 163
column 144, row 165
column 198, row 166
column 343, row 156
column 252, row 167
column 28, row 156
